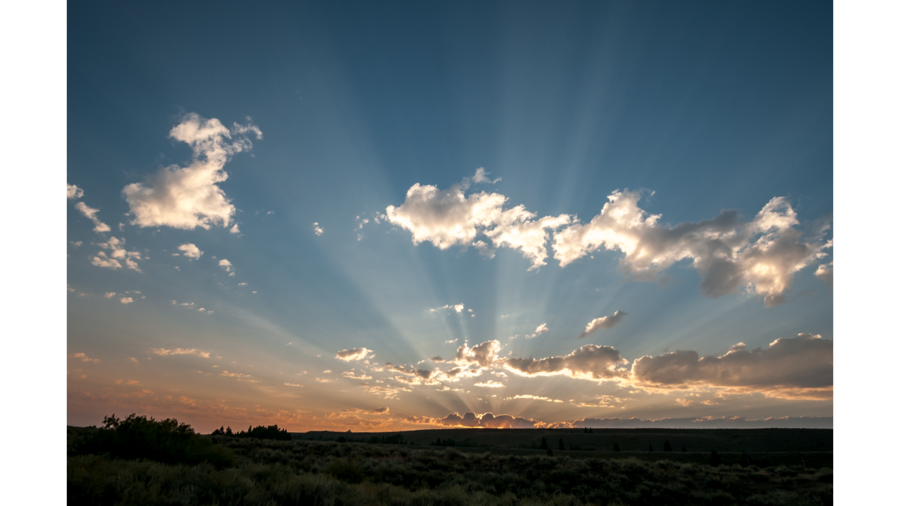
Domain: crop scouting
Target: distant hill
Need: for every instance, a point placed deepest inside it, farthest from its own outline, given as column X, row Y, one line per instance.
column 602, row 440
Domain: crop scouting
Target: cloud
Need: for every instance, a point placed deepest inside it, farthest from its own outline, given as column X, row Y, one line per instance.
column 126, row 300
column 532, row 397
column 542, row 328
column 191, row 251
column 590, row 362
column 734, row 422
column 484, row 354
column 799, row 367
column 422, row 375
column 449, row 217
column 826, row 274
column 91, row 214
column 85, row 358
column 387, row 392
column 490, row 384
column 73, row 192
column 317, row 229
column 109, row 295
column 487, row 420
column 179, row 351
column 374, row 411
column 760, row 256
column 188, row 197
column 604, row 322
column 117, row 252
column 353, row 354
column 354, row 376
column 228, row 266
column 452, row 307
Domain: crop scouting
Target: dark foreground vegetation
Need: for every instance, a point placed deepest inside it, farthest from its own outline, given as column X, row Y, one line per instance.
column 138, row 463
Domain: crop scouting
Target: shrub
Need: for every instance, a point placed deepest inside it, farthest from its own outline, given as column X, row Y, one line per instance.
column 167, row 441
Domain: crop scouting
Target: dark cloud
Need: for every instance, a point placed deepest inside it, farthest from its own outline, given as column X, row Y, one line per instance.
column 795, row 365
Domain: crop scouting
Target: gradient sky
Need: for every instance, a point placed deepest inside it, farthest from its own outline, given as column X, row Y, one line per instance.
column 588, row 211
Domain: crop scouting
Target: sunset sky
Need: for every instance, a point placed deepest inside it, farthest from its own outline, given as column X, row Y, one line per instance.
column 402, row 215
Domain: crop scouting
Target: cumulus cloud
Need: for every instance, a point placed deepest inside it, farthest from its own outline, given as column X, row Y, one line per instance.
column 117, row 253
column 228, row 266
column 192, row 251
column 188, row 197
column 760, row 256
column 590, row 362
column 317, row 229
column 91, row 214
column 490, row 384
column 73, row 192
column 85, row 358
column 799, row 367
column 604, row 322
column 484, row 354
column 354, row 354
column 449, row 217
column 542, row 328
column 109, row 295
column 179, row 351
column 126, row 300
column 826, row 274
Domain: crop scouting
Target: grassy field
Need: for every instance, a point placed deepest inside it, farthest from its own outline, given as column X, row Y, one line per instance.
column 322, row 472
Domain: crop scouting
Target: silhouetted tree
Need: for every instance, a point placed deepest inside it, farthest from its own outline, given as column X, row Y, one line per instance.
column 616, row 447
column 714, row 459
column 585, row 430
column 561, row 445
column 666, row 446
column 549, row 452
column 342, row 439
column 590, row 430
column 544, row 443
column 651, row 447
column 684, row 448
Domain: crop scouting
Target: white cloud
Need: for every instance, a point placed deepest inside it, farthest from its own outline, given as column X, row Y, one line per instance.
column 800, row 367
column 826, row 274
column 180, row 351
column 191, row 251
column 109, row 295
column 532, row 397
column 452, row 307
column 542, row 328
column 490, row 384
column 76, row 243
column 317, row 229
column 590, row 362
column 85, row 358
column 759, row 256
column 353, row 354
column 604, row 322
column 225, row 264
column 91, row 214
column 73, row 192
column 449, row 217
column 126, row 300
column 188, row 197
column 117, row 253
column 242, row 284
column 235, row 229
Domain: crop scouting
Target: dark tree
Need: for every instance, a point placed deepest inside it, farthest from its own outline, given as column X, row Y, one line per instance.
column 616, row 447
column 590, row 430
column 342, row 439
column 666, row 446
column 228, row 431
column 651, row 447
column 544, row 443
column 684, row 448
column 585, row 430
column 561, row 445
column 438, row 442
column 549, row 452
column 714, row 459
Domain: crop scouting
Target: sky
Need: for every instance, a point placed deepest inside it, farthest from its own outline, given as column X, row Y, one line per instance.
column 397, row 216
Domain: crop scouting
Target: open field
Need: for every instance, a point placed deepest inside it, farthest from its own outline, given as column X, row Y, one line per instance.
column 307, row 471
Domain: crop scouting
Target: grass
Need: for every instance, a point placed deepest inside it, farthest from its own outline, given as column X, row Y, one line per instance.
column 330, row 473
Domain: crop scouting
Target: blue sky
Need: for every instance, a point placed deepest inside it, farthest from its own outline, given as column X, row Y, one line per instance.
column 335, row 111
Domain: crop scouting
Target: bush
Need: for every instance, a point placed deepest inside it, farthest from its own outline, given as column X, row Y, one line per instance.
column 167, row 441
